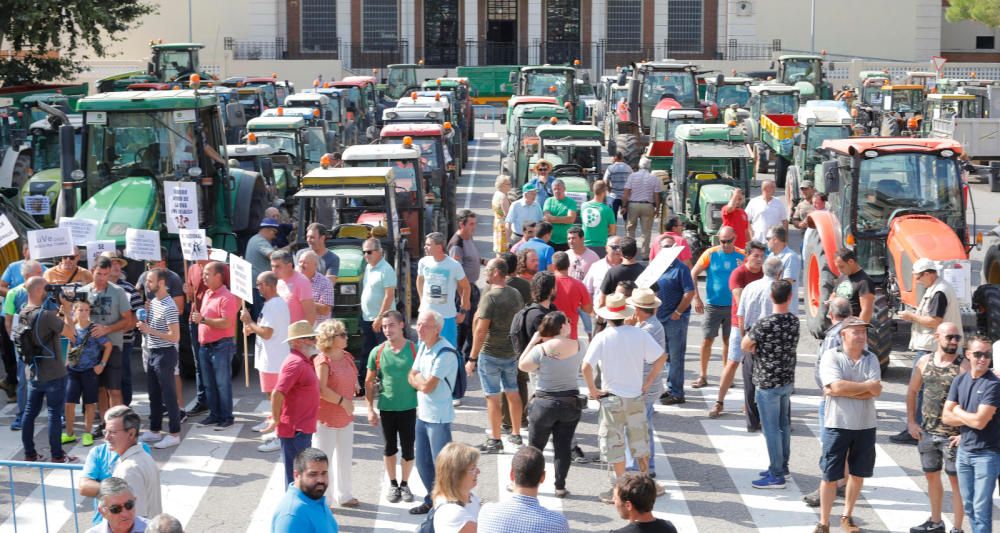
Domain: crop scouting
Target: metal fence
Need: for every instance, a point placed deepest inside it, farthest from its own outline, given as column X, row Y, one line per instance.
column 256, row 50
column 34, row 522
column 734, row 50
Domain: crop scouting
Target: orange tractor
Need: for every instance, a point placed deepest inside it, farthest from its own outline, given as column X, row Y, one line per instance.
column 893, row 201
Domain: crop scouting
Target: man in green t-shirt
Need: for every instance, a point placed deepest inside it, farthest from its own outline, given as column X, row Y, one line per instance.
column 598, row 220
column 560, row 211
column 390, row 363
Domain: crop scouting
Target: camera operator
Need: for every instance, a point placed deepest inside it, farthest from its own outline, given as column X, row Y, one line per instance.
column 111, row 310
column 46, row 368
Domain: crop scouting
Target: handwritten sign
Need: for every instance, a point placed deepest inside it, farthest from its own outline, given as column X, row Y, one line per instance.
column 181, row 205
column 46, row 243
column 7, row 231
column 241, row 278
column 664, row 258
column 193, row 244
column 96, row 248
column 218, row 254
column 142, row 245
column 83, row 230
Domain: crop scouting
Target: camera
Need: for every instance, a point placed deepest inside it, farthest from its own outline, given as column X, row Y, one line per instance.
column 70, row 292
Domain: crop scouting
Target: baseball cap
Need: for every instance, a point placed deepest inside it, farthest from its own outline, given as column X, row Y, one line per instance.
column 807, row 184
column 528, row 187
column 269, row 223
column 923, row 265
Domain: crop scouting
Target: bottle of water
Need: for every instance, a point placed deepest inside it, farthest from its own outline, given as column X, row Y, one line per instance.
column 141, row 315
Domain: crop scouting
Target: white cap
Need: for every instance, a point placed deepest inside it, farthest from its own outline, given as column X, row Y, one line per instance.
column 923, row 265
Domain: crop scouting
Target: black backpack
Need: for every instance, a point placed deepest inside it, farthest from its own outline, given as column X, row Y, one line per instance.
column 519, row 337
column 427, row 526
column 25, row 335
column 458, row 388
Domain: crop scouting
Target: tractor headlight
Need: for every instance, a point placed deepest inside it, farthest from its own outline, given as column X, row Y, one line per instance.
column 348, row 289
column 715, row 216
column 77, row 175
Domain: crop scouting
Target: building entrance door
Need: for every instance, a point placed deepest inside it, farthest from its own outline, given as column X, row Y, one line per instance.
column 501, row 33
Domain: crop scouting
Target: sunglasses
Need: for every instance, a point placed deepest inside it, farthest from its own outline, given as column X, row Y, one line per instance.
column 615, row 247
column 369, row 252
column 982, row 355
column 117, row 509
column 953, row 337
column 724, row 241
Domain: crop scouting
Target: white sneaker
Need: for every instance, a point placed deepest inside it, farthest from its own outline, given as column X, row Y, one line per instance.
column 149, row 437
column 169, row 441
column 260, row 427
column 270, row 446
column 268, row 437
column 456, row 403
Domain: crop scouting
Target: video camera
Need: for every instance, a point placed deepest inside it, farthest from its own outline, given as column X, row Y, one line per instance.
column 70, row 292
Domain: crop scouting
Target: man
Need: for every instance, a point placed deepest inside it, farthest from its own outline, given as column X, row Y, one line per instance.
column 620, row 351
column 175, row 288
column 284, row 230
column 99, row 465
column 851, row 380
column 542, row 291
column 164, row 523
column 854, row 284
column 432, row 376
column 766, row 211
column 438, row 278
column 527, row 233
column 68, row 271
column 494, row 355
column 777, row 244
column 676, row 290
column 38, row 339
column 462, row 248
column 216, row 319
column 116, row 504
column 378, row 293
column 541, row 180
column 303, row 507
column 560, row 211
column 523, row 211
column 520, row 284
column 322, row 289
column 15, row 300
column 111, row 311
column 646, row 303
column 329, row 262
column 937, row 306
column 571, row 294
column 270, row 347
column 294, row 288
column 635, row 496
column 819, row 204
column 805, row 205
column 135, row 298
column 135, row 465
column 628, row 270
column 614, row 178
column 259, row 247
column 295, row 399
column 162, row 332
column 773, row 341
column 599, row 220
column 540, row 244
column 718, row 262
column 522, row 512
column 933, row 374
column 972, row 407
column 581, row 259
column 13, row 277
column 674, row 229
column 194, row 291
column 599, row 270
column 389, row 364
column 642, row 201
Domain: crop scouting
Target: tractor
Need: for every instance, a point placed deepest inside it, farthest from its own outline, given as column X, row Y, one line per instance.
column 171, row 63
column 609, row 96
column 902, row 110
column 951, row 106
column 46, row 180
column 522, row 139
column 234, row 121
column 867, row 108
column 893, row 201
column 431, row 109
column 437, row 165
column 575, row 154
column 772, row 126
column 260, row 158
column 724, row 91
column 805, row 73
column 297, row 145
column 402, row 79
column 458, row 91
column 817, row 123
column 549, row 80
column 275, row 91
column 314, row 122
column 666, row 118
column 363, row 105
column 252, row 100
column 339, row 121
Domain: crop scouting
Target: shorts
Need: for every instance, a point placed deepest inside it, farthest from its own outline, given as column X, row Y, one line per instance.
column 81, row 383
column 111, row 378
column 267, row 381
column 402, row 424
column 497, row 375
column 717, row 316
column 856, row 447
column 735, row 351
column 620, row 418
column 936, row 453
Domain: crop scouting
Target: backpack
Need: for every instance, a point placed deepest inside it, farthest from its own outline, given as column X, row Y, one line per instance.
column 458, row 389
column 519, row 337
column 25, row 339
column 427, row 526
column 378, row 368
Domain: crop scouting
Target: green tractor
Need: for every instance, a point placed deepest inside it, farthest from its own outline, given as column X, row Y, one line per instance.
column 46, row 180
column 170, row 63
column 461, row 102
column 575, row 154
column 710, row 161
column 297, row 145
column 805, row 73
column 772, row 126
column 521, row 140
column 555, row 81
column 724, row 91
column 819, row 120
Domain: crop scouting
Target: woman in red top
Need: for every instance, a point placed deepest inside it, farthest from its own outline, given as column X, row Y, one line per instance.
column 735, row 217
column 338, row 377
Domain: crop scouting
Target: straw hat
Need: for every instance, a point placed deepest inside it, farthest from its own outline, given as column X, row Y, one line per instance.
column 541, row 162
column 115, row 257
column 615, row 308
column 300, row 330
column 644, row 298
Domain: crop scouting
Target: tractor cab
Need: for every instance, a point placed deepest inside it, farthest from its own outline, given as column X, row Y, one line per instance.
column 315, row 101
column 169, row 63
column 521, row 143
column 234, row 118
column 260, row 158
column 437, row 165
column 666, row 118
column 870, row 87
column 362, row 107
column 817, row 123
column 546, row 80
column 458, row 91
column 252, row 100
column 927, row 79
column 772, row 126
column 948, row 107
column 516, row 101
column 724, row 91
column 315, row 123
column 275, row 91
column 46, row 154
column 805, row 73
column 575, row 154
column 295, row 143
column 902, row 109
column 339, row 122
column 449, row 116
column 402, row 79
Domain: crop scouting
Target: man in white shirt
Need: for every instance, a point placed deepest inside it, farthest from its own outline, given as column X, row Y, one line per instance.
column 766, row 211
column 270, row 349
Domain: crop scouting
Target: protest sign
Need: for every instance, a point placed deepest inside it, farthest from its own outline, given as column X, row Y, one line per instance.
column 7, row 231
column 181, row 200
column 47, row 243
column 241, row 278
column 218, row 254
column 96, row 248
column 142, row 245
column 83, row 230
column 193, row 244
column 664, row 258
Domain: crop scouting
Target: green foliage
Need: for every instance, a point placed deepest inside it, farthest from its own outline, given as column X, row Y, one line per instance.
column 983, row 11
column 33, row 29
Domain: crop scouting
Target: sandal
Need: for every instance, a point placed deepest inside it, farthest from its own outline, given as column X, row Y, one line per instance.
column 716, row 410
column 699, row 383
column 352, row 503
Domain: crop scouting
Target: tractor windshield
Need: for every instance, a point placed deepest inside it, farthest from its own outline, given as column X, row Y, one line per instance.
column 871, row 95
column 173, row 64
column 732, row 94
column 280, row 141
column 659, row 85
column 251, row 105
column 797, row 70
column 270, row 96
column 908, row 100
column 818, row 134
column 555, row 84
column 921, row 182
column 584, row 156
column 428, row 151
column 156, row 144
column 779, row 104
column 400, row 79
column 45, row 149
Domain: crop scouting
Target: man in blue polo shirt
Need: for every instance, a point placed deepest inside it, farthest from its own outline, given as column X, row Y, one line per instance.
column 675, row 288
column 540, row 244
column 303, row 507
column 100, row 464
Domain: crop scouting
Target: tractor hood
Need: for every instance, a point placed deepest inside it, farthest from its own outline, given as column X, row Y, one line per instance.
column 352, row 263
column 913, row 237
column 711, row 199
column 46, row 183
column 127, row 203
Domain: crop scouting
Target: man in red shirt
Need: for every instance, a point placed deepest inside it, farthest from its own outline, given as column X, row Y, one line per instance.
column 216, row 319
column 571, row 294
column 295, row 399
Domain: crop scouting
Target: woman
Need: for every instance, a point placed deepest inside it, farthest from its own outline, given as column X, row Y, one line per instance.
column 456, row 471
column 735, row 217
column 338, row 377
column 501, row 205
column 554, row 361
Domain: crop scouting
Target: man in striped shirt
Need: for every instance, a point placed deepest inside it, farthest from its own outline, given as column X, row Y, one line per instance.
column 162, row 332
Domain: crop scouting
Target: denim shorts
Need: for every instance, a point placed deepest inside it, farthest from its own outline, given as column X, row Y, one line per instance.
column 936, row 453
column 497, row 374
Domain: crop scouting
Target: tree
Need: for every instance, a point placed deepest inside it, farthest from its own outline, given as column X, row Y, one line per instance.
column 45, row 40
column 983, row 11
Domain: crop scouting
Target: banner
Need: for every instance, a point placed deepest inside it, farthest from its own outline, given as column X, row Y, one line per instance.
column 664, row 258
column 241, row 278
column 7, row 231
column 95, row 248
column 181, row 201
column 193, row 244
column 48, row 243
column 83, row 230
column 142, row 244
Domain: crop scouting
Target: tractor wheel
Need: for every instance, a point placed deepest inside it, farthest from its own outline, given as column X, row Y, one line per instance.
column 986, row 303
column 472, row 127
column 20, row 172
column 890, row 128
column 820, row 282
column 880, row 334
column 628, row 145
column 780, row 171
column 760, row 157
column 991, row 265
column 612, row 147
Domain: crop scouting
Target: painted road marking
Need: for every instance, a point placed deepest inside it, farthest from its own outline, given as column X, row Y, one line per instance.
column 185, row 478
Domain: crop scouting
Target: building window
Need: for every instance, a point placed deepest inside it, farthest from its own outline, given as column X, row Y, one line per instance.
column 380, row 25
column 684, row 26
column 562, row 31
column 624, row 29
column 984, row 42
column 319, row 26
column 441, row 33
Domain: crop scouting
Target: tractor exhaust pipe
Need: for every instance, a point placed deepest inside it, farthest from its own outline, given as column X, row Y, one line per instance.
column 67, row 166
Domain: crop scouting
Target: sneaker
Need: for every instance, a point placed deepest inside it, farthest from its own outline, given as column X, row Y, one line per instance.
column 847, row 525
column 769, row 482
column 268, row 437
column 394, row 494
column 608, row 496
column 903, row 437
column 207, row 421
column 270, row 446
column 515, row 440
column 260, row 427
column 149, row 437
column 578, row 456
column 222, row 426
column 423, row 508
column 492, row 446
column 87, row 439
column 15, row 425
column 169, row 441
column 405, row 491
column 66, row 439
column 561, row 493
column 184, row 416
column 456, row 403
column 928, row 527
column 820, row 528
column 199, row 408
column 65, row 459
column 671, row 400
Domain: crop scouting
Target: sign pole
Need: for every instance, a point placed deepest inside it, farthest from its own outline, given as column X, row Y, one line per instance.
column 246, row 352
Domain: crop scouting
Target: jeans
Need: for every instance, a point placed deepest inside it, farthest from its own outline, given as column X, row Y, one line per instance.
column 629, row 460
column 464, row 338
column 549, row 416
column 216, row 364
column 676, row 334
column 291, row 447
column 127, row 373
column 53, row 392
column 431, row 438
column 616, row 206
column 977, row 477
column 199, row 380
column 775, row 409
column 162, row 391
column 920, row 393
column 22, row 390
column 750, row 394
column 588, row 323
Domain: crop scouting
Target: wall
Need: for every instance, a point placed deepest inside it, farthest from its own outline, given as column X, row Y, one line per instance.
column 961, row 36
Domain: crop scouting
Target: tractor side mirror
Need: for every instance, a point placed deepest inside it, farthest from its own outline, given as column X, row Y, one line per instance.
column 831, row 180
column 150, row 68
column 720, row 79
column 512, row 77
column 586, row 77
column 772, row 65
column 267, row 169
column 621, row 78
column 235, row 116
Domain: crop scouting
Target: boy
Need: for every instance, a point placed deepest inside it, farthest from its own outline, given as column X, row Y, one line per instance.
column 82, row 375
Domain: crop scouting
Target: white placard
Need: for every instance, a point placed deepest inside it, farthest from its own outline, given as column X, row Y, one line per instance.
column 46, row 243
column 96, row 248
column 241, row 278
column 960, row 280
column 142, row 244
column 664, row 258
column 218, row 254
column 37, row 205
column 181, row 200
column 84, row 230
column 7, row 231
column 193, row 244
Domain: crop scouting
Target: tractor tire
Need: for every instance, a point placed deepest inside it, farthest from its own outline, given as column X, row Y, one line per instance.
column 880, row 334
column 20, row 173
column 819, row 285
column 780, row 171
column 472, row 127
column 986, row 303
column 889, row 128
column 612, row 147
column 991, row 265
column 760, row 159
column 628, row 145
